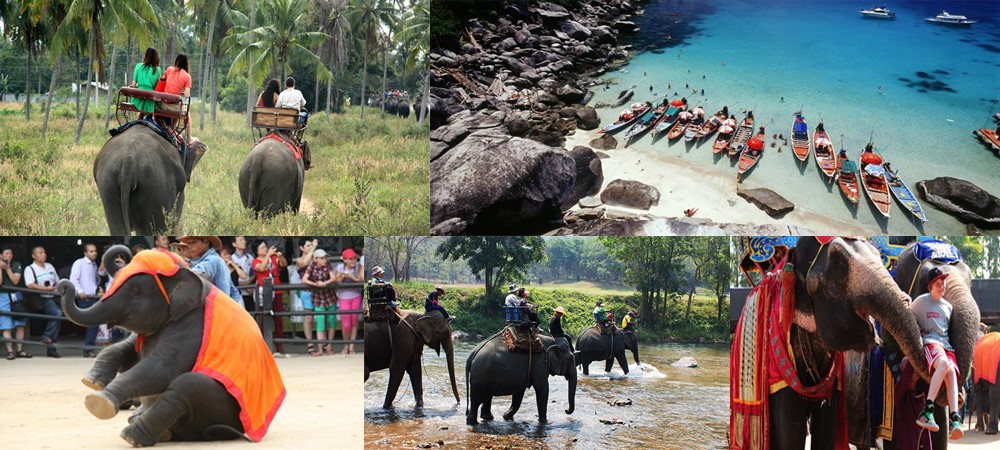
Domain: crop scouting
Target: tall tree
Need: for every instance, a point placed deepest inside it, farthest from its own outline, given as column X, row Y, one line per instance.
column 334, row 52
column 416, row 37
column 24, row 26
column 494, row 259
column 369, row 16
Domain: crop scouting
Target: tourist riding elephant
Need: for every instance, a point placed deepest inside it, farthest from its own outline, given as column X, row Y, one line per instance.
column 592, row 346
column 403, row 109
column 272, row 178
column 195, row 358
column 985, row 395
column 398, row 347
column 140, row 178
column 912, row 277
column 838, row 285
column 492, row 370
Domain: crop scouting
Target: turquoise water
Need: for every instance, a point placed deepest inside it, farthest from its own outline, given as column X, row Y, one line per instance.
column 939, row 85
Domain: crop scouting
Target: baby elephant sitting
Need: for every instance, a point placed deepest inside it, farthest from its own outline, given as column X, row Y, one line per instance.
column 196, row 359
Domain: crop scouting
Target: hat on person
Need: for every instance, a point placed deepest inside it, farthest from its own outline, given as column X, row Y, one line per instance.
column 512, row 289
column 936, row 274
column 561, row 310
column 319, row 253
column 348, row 254
column 600, row 303
column 439, row 289
column 377, row 270
column 525, row 293
column 214, row 241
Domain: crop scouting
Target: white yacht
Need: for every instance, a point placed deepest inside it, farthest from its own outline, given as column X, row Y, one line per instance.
column 950, row 19
column 878, row 12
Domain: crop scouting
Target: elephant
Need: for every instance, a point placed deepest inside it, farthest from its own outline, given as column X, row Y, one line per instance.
column 838, row 285
column 140, row 178
column 271, row 179
column 398, row 347
column 911, row 275
column 403, row 109
column 493, row 370
column 592, row 346
column 190, row 388
column 985, row 396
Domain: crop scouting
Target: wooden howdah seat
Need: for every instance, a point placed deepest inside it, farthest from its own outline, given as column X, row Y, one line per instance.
column 379, row 298
column 288, row 121
column 125, row 111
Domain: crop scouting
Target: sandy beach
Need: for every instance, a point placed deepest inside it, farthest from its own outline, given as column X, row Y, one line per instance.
column 685, row 184
column 44, row 406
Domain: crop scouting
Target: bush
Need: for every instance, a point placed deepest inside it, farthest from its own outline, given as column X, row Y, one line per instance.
column 233, row 95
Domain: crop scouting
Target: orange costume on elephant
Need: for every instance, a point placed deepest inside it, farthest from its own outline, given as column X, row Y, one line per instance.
column 232, row 350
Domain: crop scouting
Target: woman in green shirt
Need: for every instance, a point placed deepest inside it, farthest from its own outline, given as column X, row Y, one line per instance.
column 145, row 76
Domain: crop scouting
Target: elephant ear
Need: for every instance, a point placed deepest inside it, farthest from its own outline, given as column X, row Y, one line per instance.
column 187, row 292
column 425, row 330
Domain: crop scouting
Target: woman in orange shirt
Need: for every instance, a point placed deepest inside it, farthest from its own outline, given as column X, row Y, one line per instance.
column 178, row 83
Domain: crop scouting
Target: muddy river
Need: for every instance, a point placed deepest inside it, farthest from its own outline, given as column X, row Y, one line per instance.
column 671, row 407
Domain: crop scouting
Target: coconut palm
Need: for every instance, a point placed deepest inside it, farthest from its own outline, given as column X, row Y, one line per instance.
column 416, row 34
column 368, row 18
column 26, row 30
column 334, row 51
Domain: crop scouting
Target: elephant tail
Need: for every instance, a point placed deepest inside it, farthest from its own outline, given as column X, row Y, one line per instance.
column 124, row 196
column 468, row 366
column 253, row 200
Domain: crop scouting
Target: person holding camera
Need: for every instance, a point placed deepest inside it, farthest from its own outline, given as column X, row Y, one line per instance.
column 10, row 275
column 41, row 276
column 268, row 264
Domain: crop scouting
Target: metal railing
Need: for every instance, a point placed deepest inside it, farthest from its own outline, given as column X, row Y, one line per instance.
column 263, row 308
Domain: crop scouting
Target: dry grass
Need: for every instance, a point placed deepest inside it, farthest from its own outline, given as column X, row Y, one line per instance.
column 371, row 177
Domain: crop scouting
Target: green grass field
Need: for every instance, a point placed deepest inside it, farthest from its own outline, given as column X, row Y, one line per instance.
column 371, row 177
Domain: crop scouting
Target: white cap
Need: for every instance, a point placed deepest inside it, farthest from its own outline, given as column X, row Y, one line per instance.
column 319, row 253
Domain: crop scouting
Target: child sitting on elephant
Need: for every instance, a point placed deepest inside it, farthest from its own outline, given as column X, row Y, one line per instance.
column 933, row 314
column 431, row 303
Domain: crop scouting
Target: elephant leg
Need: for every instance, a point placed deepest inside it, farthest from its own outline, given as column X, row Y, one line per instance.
column 586, row 366
column 148, row 377
column 788, row 420
column 939, row 440
column 487, row 408
column 417, row 382
column 542, row 399
column 515, row 404
column 194, row 408
column 109, row 362
column 623, row 361
column 395, row 378
column 608, row 364
column 994, row 408
column 475, row 401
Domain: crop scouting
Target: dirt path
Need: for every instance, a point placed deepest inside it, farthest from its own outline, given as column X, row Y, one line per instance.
column 307, row 206
column 42, row 400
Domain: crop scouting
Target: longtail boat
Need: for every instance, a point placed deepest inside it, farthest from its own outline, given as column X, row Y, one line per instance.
column 800, row 138
column 627, row 117
column 847, row 177
column 645, row 122
column 741, row 136
column 668, row 119
column 989, row 137
column 751, row 153
column 725, row 134
column 903, row 193
column 873, row 180
column 691, row 131
column 714, row 122
column 823, row 148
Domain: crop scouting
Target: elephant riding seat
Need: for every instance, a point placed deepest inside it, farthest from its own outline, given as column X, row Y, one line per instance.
column 397, row 345
column 196, row 360
column 502, row 365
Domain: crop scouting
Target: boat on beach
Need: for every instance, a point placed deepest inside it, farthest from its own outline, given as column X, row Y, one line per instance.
column 741, row 136
column 800, row 138
column 668, row 119
column 823, row 151
column 691, row 131
column 989, row 137
column 878, row 12
column 627, row 117
column 683, row 120
column 714, row 122
column 951, row 19
column 903, row 193
column 873, row 180
column 751, row 153
column 644, row 123
column 847, row 177
column 725, row 134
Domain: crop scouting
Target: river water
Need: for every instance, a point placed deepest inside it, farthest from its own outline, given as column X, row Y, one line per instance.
column 672, row 407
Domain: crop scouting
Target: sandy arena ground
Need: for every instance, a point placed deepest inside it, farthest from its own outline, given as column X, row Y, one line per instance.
column 42, row 406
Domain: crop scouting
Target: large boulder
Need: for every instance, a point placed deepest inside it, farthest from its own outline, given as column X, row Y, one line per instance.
column 604, row 142
column 686, row 362
column 569, row 94
column 496, row 183
column 962, row 199
column 587, row 119
column 574, row 30
column 589, row 175
column 630, row 193
column 767, row 200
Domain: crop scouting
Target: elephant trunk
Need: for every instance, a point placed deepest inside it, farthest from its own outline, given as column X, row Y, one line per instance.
column 888, row 307
column 97, row 314
column 449, row 350
column 963, row 330
column 108, row 260
column 571, row 377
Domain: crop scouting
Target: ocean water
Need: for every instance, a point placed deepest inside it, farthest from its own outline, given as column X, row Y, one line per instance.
column 939, row 84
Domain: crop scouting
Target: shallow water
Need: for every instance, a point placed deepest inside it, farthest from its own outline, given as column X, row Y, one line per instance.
column 671, row 407
column 939, row 85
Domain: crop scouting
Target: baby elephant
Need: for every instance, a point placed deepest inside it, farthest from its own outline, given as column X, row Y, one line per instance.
column 196, row 359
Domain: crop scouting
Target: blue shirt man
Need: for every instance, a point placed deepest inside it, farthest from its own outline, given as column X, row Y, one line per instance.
column 205, row 261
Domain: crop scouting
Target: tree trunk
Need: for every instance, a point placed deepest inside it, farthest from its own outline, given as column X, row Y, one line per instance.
column 201, row 81
column 250, row 86
column 27, row 90
column 316, row 90
column 128, row 60
column 206, row 73
column 385, row 73
column 364, row 79
column 694, row 282
column 215, row 85
column 90, row 75
column 423, row 98
column 329, row 87
column 111, row 79
column 79, row 85
column 52, row 89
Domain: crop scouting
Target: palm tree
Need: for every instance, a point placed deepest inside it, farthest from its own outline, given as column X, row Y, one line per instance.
column 26, row 30
column 267, row 50
column 416, row 40
column 135, row 16
column 369, row 16
column 334, row 50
